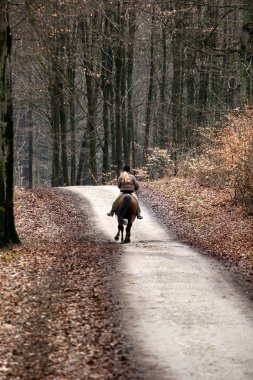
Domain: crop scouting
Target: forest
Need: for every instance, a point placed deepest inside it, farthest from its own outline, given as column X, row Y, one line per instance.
column 162, row 86
column 87, row 86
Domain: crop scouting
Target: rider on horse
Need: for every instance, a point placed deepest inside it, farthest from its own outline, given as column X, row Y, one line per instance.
column 127, row 183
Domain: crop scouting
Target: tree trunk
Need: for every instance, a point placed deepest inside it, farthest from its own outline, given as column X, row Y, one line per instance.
column 63, row 129
column 118, row 134
column 105, row 170
column 150, row 90
column 55, row 126
column 62, row 109
column 163, row 87
column 72, row 132
column 112, row 125
column 71, row 70
column 30, row 179
column 111, row 61
column 7, row 225
column 177, row 89
column 118, row 99
column 91, row 124
column 106, row 79
column 190, row 82
column 130, row 62
column 80, row 168
column 89, row 34
column 123, row 105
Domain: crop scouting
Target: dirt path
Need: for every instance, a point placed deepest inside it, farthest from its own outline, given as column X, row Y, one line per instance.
column 182, row 309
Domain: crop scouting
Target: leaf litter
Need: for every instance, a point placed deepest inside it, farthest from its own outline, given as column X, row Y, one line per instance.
column 60, row 313
column 205, row 218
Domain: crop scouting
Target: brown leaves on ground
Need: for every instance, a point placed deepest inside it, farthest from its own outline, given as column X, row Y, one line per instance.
column 60, row 314
column 205, row 218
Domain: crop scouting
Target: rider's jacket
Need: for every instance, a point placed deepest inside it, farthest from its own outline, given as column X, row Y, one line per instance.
column 127, row 182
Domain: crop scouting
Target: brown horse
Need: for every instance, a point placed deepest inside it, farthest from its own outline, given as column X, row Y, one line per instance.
column 126, row 213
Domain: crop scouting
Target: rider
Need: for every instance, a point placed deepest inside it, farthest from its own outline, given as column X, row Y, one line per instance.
column 127, row 183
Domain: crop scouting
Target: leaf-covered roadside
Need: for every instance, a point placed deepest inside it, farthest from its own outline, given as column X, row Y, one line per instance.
column 205, row 218
column 60, row 315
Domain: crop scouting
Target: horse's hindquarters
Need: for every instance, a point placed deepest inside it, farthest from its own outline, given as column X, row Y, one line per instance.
column 127, row 210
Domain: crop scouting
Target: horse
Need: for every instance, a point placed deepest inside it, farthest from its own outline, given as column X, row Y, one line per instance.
column 126, row 210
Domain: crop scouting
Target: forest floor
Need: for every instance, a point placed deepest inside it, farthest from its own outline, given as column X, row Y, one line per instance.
column 60, row 313
column 60, row 316
column 205, row 218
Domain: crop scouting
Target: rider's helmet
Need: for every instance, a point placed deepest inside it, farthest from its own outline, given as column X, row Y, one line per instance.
column 126, row 168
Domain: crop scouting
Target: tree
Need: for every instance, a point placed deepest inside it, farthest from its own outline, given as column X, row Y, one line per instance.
column 89, row 33
column 106, row 85
column 7, row 226
column 114, row 79
column 150, row 89
column 130, row 65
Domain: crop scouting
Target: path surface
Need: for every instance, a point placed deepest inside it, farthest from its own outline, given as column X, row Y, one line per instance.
column 182, row 309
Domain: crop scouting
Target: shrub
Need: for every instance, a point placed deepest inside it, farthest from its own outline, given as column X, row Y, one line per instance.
column 227, row 159
column 157, row 163
column 237, row 143
column 207, row 169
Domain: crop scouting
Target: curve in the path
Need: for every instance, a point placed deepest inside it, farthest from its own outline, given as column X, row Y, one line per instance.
column 182, row 308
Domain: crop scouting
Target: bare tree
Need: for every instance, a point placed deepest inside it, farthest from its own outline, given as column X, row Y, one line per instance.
column 119, row 78
column 7, row 226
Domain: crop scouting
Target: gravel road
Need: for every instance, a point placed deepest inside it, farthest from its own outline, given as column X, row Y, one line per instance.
column 183, row 310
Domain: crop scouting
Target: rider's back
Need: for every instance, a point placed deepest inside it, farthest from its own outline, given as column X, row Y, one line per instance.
column 127, row 182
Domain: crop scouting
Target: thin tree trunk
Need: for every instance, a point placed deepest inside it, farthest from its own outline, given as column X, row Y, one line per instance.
column 190, row 83
column 62, row 110
column 30, row 179
column 118, row 99
column 118, row 112
column 150, row 90
column 177, row 89
column 63, row 129
column 123, row 104
column 55, row 125
column 130, row 59
column 80, row 167
column 105, row 169
column 72, row 137
column 163, row 86
column 112, row 125
column 71, row 70
column 88, row 38
column 106, row 78
column 91, row 124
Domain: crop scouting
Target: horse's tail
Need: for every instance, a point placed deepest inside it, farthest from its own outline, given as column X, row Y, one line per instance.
column 124, row 205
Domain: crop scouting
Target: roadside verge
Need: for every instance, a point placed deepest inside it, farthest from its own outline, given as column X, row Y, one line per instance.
column 206, row 219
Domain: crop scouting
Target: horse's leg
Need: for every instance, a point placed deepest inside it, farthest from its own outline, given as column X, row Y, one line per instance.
column 128, row 231
column 122, row 233
column 117, row 236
